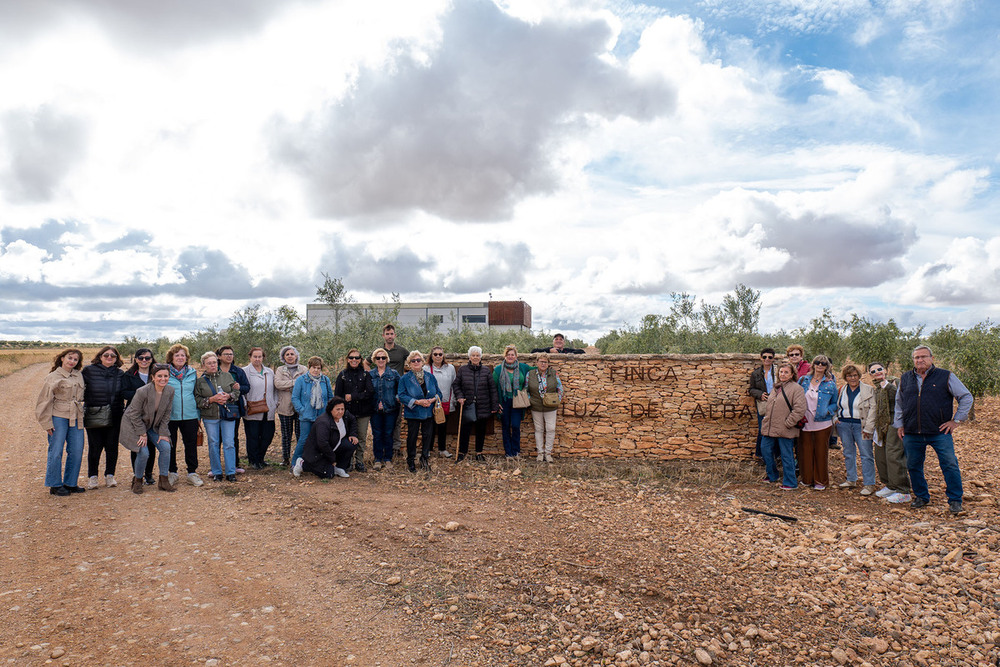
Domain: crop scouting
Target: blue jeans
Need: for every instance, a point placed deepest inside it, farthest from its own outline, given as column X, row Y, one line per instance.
column 72, row 437
column 152, row 440
column 382, row 424
column 226, row 430
column 853, row 439
column 510, row 427
column 305, row 425
column 916, row 451
column 768, row 445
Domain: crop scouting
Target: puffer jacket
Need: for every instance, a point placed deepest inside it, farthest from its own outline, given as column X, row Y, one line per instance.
column 185, row 406
column 779, row 421
column 302, row 397
column 475, row 384
column 104, row 386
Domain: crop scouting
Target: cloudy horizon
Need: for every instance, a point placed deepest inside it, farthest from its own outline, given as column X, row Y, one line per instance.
column 164, row 165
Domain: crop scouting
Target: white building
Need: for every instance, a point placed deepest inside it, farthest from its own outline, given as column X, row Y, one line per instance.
column 446, row 315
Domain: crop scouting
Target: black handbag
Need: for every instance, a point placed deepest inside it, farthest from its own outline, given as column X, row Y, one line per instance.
column 469, row 412
column 97, row 416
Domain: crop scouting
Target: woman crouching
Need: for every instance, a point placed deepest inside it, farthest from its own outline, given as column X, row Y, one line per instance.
column 331, row 441
column 144, row 425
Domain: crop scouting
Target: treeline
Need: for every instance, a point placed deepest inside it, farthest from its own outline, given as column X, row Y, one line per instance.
column 693, row 327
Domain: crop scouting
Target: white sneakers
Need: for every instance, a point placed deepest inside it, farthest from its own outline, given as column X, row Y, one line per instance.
column 884, row 492
column 548, row 458
column 339, row 472
column 297, row 468
column 109, row 481
column 92, row 482
column 194, row 480
column 868, row 490
column 540, row 457
column 172, row 478
column 444, row 453
column 898, row 497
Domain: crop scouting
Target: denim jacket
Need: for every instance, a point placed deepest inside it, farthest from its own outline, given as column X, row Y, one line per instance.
column 302, row 397
column 826, row 405
column 409, row 391
column 385, row 389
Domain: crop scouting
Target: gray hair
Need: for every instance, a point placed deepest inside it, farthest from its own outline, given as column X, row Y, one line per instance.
column 922, row 347
column 475, row 349
column 207, row 355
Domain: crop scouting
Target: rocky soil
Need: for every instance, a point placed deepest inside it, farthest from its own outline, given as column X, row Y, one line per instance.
column 570, row 564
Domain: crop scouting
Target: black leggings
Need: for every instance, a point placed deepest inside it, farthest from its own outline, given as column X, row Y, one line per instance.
column 103, row 439
column 189, row 434
column 466, row 430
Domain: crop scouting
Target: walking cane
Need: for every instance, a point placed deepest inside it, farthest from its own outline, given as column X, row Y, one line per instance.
column 461, row 406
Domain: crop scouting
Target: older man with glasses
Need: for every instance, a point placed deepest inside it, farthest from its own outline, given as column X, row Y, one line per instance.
column 925, row 416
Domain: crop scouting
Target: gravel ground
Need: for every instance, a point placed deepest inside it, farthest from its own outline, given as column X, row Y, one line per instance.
column 497, row 564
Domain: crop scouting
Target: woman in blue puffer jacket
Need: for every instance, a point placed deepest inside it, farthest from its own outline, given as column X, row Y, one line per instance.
column 418, row 392
column 310, row 395
column 814, row 440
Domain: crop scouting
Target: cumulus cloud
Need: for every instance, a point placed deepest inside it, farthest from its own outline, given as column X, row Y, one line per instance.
column 967, row 273
column 466, row 131
column 38, row 149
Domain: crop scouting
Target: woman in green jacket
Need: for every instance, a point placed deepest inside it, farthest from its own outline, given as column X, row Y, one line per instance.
column 217, row 394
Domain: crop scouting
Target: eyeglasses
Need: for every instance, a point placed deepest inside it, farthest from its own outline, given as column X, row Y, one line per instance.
column 109, row 355
column 381, row 358
column 145, row 357
column 767, row 356
column 354, row 358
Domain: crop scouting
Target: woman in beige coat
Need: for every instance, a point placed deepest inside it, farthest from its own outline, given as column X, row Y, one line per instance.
column 785, row 407
column 145, row 425
column 59, row 410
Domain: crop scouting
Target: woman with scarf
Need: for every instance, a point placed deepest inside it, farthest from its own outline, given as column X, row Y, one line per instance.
column 510, row 377
column 137, row 376
column 855, row 423
column 259, row 427
column 354, row 385
column 144, row 426
column 444, row 373
column 418, row 392
column 103, row 409
column 284, row 381
column 544, row 380
column 385, row 408
column 218, row 396
column 814, row 440
column 476, row 394
column 59, row 410
column 184, row 414
column 310, row 395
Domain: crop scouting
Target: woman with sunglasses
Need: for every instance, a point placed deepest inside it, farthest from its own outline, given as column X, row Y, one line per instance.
column 103, row 409
column 354, row 385
column 814, row 440
column 762, row 381
column 137, row 376
column 385, row 407
column 444, row 373
column 418, row 392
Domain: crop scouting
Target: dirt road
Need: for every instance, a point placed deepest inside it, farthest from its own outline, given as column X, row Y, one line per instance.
column 545, row 567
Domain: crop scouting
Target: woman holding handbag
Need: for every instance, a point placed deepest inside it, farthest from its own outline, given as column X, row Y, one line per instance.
column 783, row 414
column 418, row 393
column 545, row 391
column 261, row 402
column 510, row 378
column 444, row 373
column 102, row 413
column 218, row 394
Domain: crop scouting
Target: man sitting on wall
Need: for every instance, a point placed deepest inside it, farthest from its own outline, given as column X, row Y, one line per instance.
column 558, row 347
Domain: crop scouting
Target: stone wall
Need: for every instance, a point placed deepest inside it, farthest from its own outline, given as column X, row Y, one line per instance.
column 649, row 406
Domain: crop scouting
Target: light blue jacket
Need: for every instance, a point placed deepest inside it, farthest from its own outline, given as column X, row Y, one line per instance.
column 826, row 406
column 409, row 391
column 302, row 397
column 185, row 406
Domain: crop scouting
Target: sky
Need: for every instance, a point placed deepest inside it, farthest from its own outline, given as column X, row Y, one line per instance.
column 163, row 165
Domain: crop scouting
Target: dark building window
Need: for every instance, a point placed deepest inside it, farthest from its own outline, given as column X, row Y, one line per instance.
column 474, row 319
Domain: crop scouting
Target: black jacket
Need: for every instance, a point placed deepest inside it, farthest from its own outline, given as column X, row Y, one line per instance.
column 324, row 438
column 240, row 376
column 104, row 386
column 477, row 386
column 357, row 383
column 758, row 385
column 131, row 383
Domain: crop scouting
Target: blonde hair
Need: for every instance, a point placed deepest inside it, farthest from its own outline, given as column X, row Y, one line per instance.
column 412, row 355
column 208, row 355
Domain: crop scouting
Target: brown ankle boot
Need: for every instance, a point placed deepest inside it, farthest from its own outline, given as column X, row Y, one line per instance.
column 164, row 484
column 137, row 485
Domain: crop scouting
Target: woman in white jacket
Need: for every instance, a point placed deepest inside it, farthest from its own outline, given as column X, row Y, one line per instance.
column 855, row 417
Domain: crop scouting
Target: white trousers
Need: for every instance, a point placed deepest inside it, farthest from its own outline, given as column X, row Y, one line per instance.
column 545, row 430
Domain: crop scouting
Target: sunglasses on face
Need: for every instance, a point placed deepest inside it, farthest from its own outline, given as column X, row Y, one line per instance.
column 437, row 354
column 109, row 355
column 145, row 358
column 354, row 358
column 381, row 358
column 794, row 354
column 820, row 363
column 417, row 361
column 767, row 356
column 878, row 369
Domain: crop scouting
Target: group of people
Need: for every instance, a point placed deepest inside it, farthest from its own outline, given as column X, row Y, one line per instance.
column 151, row 406
column 887, row 424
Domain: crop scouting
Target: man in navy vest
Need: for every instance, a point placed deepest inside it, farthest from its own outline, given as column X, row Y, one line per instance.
column 924, row 417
